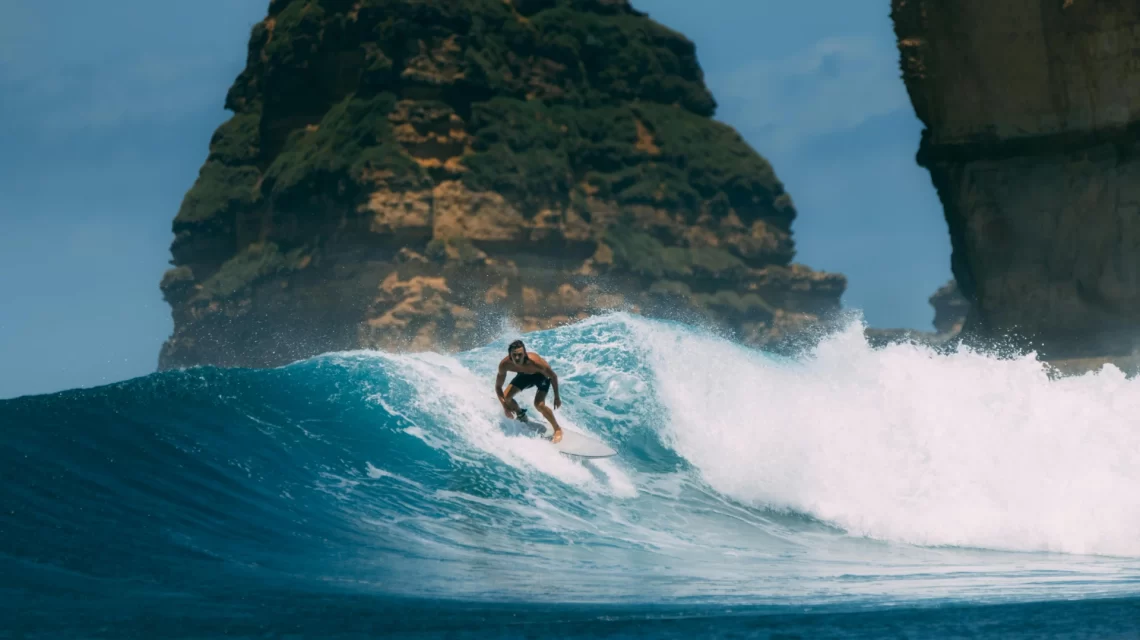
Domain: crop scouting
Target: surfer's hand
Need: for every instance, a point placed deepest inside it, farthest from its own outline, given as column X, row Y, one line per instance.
column 557, row 435
column 557, row 404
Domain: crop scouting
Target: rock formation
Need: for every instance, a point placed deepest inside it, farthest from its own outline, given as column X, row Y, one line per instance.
column 950, row 310
column 403, row 174
column 1032, row 111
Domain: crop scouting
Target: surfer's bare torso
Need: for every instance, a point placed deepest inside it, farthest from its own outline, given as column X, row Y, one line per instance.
column 533, row 364
column 532, row 371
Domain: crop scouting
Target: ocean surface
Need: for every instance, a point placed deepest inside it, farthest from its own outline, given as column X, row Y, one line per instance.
column 844, row 493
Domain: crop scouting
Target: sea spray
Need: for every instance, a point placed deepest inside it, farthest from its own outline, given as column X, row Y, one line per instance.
column 907, row 445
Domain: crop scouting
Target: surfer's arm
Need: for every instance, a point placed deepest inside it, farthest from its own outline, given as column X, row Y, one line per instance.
column 548, row 371
column 499, row 380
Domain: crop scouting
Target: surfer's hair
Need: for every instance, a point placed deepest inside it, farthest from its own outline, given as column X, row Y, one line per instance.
column 517, row 344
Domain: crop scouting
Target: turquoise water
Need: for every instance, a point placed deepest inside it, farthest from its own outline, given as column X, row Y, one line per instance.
column 844, row 493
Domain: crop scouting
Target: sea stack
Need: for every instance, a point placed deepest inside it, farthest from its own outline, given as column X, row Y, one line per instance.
column 1032, row 111
column 406, row 174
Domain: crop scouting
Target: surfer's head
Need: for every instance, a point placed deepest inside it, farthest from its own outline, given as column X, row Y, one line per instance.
column 517, row 352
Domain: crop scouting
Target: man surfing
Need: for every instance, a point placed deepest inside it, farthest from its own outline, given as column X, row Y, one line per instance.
column 532, row 371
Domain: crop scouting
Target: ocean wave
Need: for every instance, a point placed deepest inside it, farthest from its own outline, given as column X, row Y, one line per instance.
column 847, row 474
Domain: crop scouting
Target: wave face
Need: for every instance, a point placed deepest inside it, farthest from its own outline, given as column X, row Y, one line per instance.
column 845, row 476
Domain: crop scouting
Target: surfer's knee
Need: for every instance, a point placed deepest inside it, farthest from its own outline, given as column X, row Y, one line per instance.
column 540, row 405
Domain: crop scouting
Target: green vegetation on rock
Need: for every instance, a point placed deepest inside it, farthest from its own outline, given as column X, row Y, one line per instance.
column 253, row 263
column 354, row 141
column 535, row 151
column 734, row 304
column 711, row 158
column 559, row 96
column 296, row 31
column 238, row 141
column 219, row 190
column 647, row 256
column 520, row 151
column 714, row 262
column 175, row 277
column 620, row 56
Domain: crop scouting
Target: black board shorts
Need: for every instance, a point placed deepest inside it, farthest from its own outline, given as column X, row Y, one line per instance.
column 527, row 380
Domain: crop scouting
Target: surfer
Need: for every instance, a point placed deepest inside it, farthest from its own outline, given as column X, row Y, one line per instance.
column 532, row 371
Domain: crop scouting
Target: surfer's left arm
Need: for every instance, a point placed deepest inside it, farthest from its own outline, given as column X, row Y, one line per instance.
column 549, row 373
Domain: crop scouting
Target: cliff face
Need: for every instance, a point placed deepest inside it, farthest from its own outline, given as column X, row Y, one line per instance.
column 950, row 309
column 1032, row 110
column 402, row 174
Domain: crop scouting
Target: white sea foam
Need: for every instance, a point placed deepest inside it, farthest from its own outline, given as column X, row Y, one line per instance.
column 906, row 445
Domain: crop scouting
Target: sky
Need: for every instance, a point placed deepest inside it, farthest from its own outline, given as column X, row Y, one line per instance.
column 108, row 109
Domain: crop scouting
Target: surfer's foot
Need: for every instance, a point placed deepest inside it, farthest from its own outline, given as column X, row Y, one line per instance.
column 520, row 415
column 557, row 435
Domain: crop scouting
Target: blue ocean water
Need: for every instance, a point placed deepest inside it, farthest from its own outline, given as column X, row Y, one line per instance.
column 844, row 493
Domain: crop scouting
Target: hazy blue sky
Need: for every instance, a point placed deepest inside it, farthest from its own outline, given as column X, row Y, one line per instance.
column 108, row 108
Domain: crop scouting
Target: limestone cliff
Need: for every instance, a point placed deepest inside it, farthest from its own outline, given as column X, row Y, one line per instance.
column 1032, row 110
column 402, row 174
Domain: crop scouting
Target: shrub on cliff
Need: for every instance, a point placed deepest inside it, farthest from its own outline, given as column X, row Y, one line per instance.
column 255, row 262
column 351, row 145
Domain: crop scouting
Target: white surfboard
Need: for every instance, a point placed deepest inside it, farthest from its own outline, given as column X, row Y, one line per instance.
column 572, row 442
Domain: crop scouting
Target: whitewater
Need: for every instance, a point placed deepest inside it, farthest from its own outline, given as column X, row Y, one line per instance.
column 843, row 477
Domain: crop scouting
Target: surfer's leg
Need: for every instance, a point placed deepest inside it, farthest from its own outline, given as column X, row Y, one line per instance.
column 512, row 407
column 547, row 412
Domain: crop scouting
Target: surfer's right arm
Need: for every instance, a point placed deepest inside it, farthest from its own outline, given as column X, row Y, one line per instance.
column 499, row 380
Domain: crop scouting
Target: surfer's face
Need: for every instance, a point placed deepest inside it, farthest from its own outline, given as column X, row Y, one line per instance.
column 518, row 355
